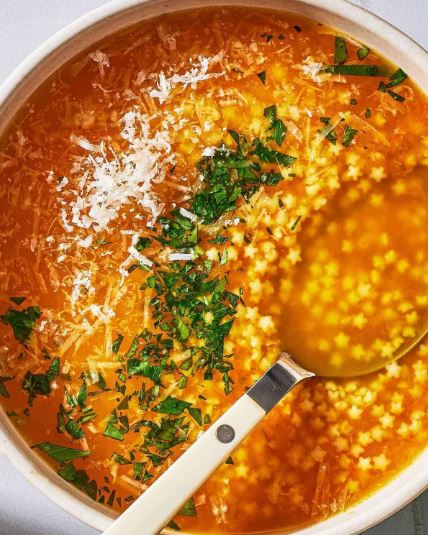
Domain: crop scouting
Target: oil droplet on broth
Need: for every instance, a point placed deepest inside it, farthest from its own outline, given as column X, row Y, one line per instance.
column 360, row 294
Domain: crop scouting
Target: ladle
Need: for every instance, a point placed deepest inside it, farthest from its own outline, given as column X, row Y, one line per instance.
column 163, row 499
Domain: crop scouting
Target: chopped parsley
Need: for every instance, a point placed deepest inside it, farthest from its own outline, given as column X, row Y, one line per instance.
column 65, row 423
column 188, row 509
column 17, row 300
column 39, row 384
column 267, row 36
column 354, row 70
column 3, row 390
column 22, row 321
column 262, row 77
column 79, row 478
column 396, row 96
column 295, row 223
column 362, row 53
column 266, row 154
column 112, row 430
column 348, row 135
column 117, row 343
column 229, row 176
column 171, row 406
column 328, row 131
column 196, row 414
column 61, row 454
column 276, row 127
column 340, row 51
column 168, row 433
column 396, row 78
column 173, row 525
column 119, row 459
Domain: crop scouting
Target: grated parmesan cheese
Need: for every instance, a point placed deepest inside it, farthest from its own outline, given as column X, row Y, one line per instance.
column 133, row 255
column 189, row 215
column 108, row 181
column 102, row 60
column 181, row 256
column 81, row 280
column 198, row 73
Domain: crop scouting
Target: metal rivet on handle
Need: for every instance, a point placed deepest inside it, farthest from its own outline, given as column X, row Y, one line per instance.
column 225, row 433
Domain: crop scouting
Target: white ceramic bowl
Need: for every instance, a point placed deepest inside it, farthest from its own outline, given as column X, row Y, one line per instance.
column 121, row 13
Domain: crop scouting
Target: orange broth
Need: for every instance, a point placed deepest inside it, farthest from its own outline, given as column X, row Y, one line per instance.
column 108, row 146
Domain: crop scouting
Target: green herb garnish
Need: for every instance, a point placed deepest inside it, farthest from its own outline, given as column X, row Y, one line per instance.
column 3, row 389
column 22, row 321
column 354, row 70
column 340, row 51
column 362, row 53
column 171, row 406
column 276, row 126
column 397, row 78
column 196, row 414
column 112, row 430
column 119, row 459
column 39, row 384
column 80, row 479
column 262, row 77
column 295, row 223
column 117, row 343
column 188, row 509
column 396, row 96
column 266, row 154
column 328, row 132
column 17, row 300
column 267, row 36
column 348, row 135
column 61, row 454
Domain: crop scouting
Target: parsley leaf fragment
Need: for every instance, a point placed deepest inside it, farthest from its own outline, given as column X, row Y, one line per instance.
column 362, row 53
column 80, row 479
column 39, row 384
column 3, row 390
column 272, row 156
column 262, row 77
column 277, row 127
column 354, row 70
column 348, row 135
column 111, row 430
column 171, row 406
column 117, row 343
column 61, row 453
column 22, row 321
column 340, row 51
column 17, row 300
column 188, row 509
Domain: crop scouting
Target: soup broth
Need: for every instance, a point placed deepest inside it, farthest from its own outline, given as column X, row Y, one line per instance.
column 180, row 203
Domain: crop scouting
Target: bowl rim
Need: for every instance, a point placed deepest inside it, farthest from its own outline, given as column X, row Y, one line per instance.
column 410, row 481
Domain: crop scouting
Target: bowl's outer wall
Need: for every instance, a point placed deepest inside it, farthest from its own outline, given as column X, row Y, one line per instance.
column 115, row 16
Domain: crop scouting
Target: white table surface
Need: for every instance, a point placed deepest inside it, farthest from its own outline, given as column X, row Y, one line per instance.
column 24, row 24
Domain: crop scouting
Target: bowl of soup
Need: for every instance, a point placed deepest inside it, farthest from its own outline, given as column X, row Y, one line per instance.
column 164, row 170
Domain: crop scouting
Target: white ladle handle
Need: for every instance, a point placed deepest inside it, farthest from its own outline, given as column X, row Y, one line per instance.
column 162, row 500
